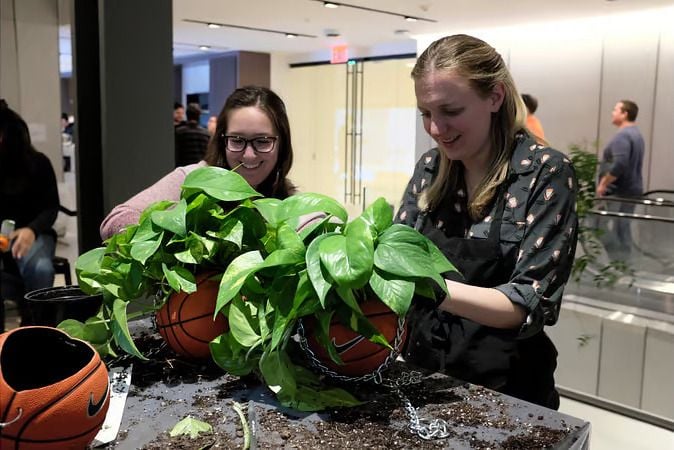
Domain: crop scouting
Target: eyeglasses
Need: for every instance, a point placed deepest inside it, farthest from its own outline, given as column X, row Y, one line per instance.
column 261, row 144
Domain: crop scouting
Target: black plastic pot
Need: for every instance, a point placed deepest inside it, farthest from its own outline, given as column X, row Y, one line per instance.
column 50, row 306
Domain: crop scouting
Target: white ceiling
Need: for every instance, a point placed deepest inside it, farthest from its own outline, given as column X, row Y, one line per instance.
column 360, row 28
column 379, row 33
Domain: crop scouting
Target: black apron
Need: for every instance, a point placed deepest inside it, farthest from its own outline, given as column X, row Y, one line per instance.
column 464, row 349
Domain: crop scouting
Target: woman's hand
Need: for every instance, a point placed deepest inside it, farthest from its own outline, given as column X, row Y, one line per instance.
column 23, row 239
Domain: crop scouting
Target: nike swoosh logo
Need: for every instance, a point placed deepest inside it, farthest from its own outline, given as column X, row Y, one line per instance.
column 95, row 408
column 342, row 348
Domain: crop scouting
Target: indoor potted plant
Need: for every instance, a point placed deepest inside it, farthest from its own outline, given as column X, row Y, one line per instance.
column 172, row 245
column 329, row 269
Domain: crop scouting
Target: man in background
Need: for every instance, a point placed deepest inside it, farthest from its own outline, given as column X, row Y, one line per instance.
column 620, row 174
column 191, row 139
column 178, row 114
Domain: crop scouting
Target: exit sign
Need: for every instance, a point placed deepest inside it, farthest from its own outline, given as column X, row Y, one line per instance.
column 340, row 54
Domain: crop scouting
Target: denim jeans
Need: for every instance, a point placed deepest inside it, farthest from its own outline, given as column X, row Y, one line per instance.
column 36, row 267
column 618, row 237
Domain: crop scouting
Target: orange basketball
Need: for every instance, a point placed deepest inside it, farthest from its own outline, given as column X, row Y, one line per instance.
column 54, row 390
column 359, row 355
column 186, row 320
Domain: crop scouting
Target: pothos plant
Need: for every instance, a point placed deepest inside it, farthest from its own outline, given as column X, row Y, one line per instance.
column 325, row 269
column 277, row 268
column 585, row 164
column 213, row 222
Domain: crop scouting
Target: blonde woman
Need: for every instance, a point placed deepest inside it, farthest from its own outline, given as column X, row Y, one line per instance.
column 501, row 207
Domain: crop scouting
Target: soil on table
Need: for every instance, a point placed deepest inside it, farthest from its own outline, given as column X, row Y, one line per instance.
column 382, row 422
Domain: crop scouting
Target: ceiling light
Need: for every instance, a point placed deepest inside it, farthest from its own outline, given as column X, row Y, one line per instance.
column 380, row 11
column 204, row 47
column 245, row 27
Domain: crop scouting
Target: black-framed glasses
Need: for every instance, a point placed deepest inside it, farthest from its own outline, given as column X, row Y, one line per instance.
column 261, row 144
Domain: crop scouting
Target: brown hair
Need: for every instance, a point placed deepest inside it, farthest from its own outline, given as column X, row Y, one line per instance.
column 484, row 68
column 631, row 108
column 276, row 185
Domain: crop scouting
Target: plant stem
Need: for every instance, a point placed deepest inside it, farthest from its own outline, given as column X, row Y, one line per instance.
column 244, row 424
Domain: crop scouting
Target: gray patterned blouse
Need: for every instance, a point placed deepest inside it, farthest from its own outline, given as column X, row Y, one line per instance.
column 539, row 227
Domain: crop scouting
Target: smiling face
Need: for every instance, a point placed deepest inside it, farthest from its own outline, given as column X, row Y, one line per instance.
column 456, row 117
column 250, row 122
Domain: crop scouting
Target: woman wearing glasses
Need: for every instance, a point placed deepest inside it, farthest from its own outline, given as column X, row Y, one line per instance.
column 252, row 137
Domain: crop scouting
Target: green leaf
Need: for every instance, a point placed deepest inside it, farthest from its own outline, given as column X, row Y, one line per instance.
column 235, row 276
column 142, row 250
column 173, row 219
column 322, row 334
column 286, row 237
column 231, row 231
column 229, row 354
column 276, row 370
column 402, row 234
column 88, row 268
column 307, row 203
column 120, row 329
column 158, row 206
column 309, row 395
column 180, row 279
column 395, row 293
column 406, row 260
column 268, row 207
column 379, row 215
column 319, row 279
column 190, row 426
column 219, row 183
column 349, row 259
column 145, row 231
column 240, row 326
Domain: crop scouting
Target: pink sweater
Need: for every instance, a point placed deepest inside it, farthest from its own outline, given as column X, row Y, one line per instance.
column 128, row 213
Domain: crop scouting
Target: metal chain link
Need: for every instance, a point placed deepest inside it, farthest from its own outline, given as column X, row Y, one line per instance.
column 425, row 428
column 374, row 376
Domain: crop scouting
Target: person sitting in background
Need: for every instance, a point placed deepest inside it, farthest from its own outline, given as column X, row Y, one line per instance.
column 178, row 114
column 533, row 124
column 252, row 137
column 191, row 139
column 29, row 196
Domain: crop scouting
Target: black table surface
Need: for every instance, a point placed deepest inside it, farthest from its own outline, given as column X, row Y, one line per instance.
column 167, row 389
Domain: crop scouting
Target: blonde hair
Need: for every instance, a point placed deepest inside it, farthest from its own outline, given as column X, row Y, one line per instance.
column 480, row 64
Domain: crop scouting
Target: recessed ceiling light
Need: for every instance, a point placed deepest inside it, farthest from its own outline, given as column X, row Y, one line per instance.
column 291, row 35
column 213, row 25
column 374, row 10
column 204, row 47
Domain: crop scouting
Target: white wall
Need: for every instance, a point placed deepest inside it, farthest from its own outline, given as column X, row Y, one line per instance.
column 580, row 69
column 196, row 78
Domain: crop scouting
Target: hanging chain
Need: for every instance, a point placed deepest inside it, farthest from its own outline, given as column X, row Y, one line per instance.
column 374, row 376
column 426, row 429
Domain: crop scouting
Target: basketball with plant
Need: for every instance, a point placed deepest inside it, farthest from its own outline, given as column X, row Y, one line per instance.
column 187, row 322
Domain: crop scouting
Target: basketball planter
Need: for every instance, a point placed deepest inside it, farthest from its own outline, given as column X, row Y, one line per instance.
column 359, row 355
column 54, row 391
column 186, row 320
